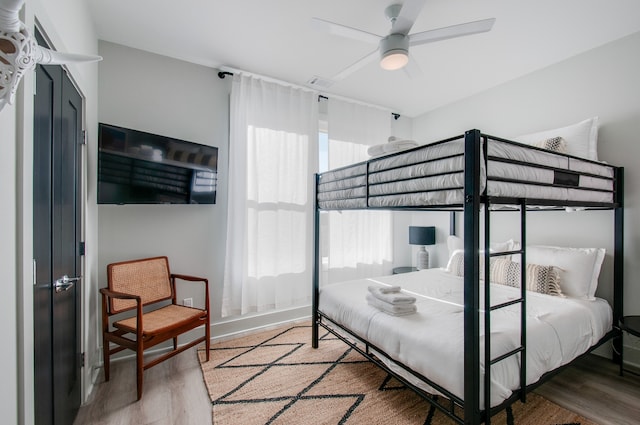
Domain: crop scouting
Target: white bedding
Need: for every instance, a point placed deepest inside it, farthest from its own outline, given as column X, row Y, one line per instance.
column 431, row 341
column 407, row 180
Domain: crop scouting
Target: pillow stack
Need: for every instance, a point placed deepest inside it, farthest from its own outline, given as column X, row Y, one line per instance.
column 552, row 270
column 580, row 267
column 580, row 139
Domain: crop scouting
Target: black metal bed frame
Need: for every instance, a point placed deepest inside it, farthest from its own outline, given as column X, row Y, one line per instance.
column 473, row 412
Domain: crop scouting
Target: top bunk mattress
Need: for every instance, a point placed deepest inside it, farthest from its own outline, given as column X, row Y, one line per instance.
column 433, row 176
column 431, row 341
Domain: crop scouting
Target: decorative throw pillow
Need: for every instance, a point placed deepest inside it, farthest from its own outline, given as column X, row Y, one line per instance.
column 542, row 279
column 555, row 144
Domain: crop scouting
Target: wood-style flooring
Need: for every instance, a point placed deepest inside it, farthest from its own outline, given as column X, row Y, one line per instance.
column 174, row 393
column 593, row 387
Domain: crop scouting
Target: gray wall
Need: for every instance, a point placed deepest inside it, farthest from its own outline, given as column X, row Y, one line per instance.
column 164, row 96
column 602, row 82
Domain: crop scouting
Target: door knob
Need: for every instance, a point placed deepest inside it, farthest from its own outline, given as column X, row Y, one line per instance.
column 65, row 283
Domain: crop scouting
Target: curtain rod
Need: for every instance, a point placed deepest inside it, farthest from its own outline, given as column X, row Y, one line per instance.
column 223, row 74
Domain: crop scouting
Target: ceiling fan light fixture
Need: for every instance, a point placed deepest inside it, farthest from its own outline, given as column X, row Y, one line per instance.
column 394, row 60
column 394, row 51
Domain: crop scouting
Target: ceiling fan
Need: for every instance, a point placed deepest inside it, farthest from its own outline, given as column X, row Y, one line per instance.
column 393, row 49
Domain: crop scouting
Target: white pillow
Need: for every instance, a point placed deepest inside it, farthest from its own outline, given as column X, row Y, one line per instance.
column 580, row 267
column 581, row 138
column 457, row 243
column 455, row 266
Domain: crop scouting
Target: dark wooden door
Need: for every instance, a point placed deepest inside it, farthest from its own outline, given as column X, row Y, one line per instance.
column 57, row 233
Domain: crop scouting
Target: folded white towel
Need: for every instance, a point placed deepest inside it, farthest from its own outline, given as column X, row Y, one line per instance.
column 393, row 298
column 392, row 309
column 385, row 289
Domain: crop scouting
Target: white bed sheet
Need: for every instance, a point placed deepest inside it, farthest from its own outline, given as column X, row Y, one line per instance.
column 431, row 341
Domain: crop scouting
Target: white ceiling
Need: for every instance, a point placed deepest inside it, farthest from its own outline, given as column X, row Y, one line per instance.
column 275, row 38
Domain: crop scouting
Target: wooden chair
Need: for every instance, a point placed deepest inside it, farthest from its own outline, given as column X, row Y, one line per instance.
column 147, row 283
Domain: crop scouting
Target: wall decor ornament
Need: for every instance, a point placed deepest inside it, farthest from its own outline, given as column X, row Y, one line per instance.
column 19, row 52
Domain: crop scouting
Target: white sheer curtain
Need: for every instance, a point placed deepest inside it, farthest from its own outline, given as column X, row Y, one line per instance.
column 272, row 158
column 356, row 243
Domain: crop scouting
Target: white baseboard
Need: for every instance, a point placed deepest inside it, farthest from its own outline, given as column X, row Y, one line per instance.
column 236, row 327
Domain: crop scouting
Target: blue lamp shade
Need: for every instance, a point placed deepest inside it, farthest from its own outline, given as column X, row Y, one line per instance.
column 422, row 235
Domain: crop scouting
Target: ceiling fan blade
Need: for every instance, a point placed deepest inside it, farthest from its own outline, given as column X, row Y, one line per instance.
column 408, row 15
column 356, row 66
column 412, row 69
column 345, row 31
column 451, row 32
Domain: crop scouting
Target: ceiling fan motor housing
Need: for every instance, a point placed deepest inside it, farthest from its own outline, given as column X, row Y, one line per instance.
column 396, row 43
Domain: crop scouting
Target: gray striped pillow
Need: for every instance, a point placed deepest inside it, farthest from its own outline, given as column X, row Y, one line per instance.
column 542, row 279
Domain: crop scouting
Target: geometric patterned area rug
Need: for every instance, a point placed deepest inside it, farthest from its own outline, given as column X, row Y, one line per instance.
column 276, row 377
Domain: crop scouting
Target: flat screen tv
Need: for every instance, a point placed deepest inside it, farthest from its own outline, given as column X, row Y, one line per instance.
column 135, row 167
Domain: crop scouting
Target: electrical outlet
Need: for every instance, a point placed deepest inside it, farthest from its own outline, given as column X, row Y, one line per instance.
column 187, row 302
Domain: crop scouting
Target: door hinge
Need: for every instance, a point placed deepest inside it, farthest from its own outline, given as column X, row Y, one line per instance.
column 81, row 248
column 84, row 137
column 82, row 356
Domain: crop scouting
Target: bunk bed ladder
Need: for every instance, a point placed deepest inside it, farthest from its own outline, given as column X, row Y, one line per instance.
column 521, row 349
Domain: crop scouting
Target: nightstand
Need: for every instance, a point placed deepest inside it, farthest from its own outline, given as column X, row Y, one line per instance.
column 630, row 324
column 399, row 270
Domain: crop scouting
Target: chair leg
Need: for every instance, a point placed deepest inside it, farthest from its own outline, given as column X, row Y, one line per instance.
column 139, row 370
column 207, row 343
column 106, row 358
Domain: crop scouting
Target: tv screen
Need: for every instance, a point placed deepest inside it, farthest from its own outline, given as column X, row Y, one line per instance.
column 135, row 167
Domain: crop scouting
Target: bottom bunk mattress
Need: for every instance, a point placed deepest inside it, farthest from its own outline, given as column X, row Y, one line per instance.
column 430, row 341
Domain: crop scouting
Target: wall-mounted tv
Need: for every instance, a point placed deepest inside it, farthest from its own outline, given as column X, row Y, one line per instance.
column 135, row 167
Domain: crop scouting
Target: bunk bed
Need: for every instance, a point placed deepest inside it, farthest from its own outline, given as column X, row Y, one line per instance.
column 473, row 174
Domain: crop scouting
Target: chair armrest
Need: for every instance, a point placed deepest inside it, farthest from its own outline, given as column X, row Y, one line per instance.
column 189, row 278
column 192, row 279
column 106, row 293
column 120, row 295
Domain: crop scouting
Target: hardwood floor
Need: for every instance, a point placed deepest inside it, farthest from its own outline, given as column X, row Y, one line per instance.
column 593, row 387
column 174, row 393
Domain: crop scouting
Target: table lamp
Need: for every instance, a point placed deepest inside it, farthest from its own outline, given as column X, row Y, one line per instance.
column 422, row 236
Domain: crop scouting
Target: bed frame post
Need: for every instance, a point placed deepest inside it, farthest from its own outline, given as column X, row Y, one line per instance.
column 316, row 265
column 452, row 223
column 472, row 146
column 618, row 263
